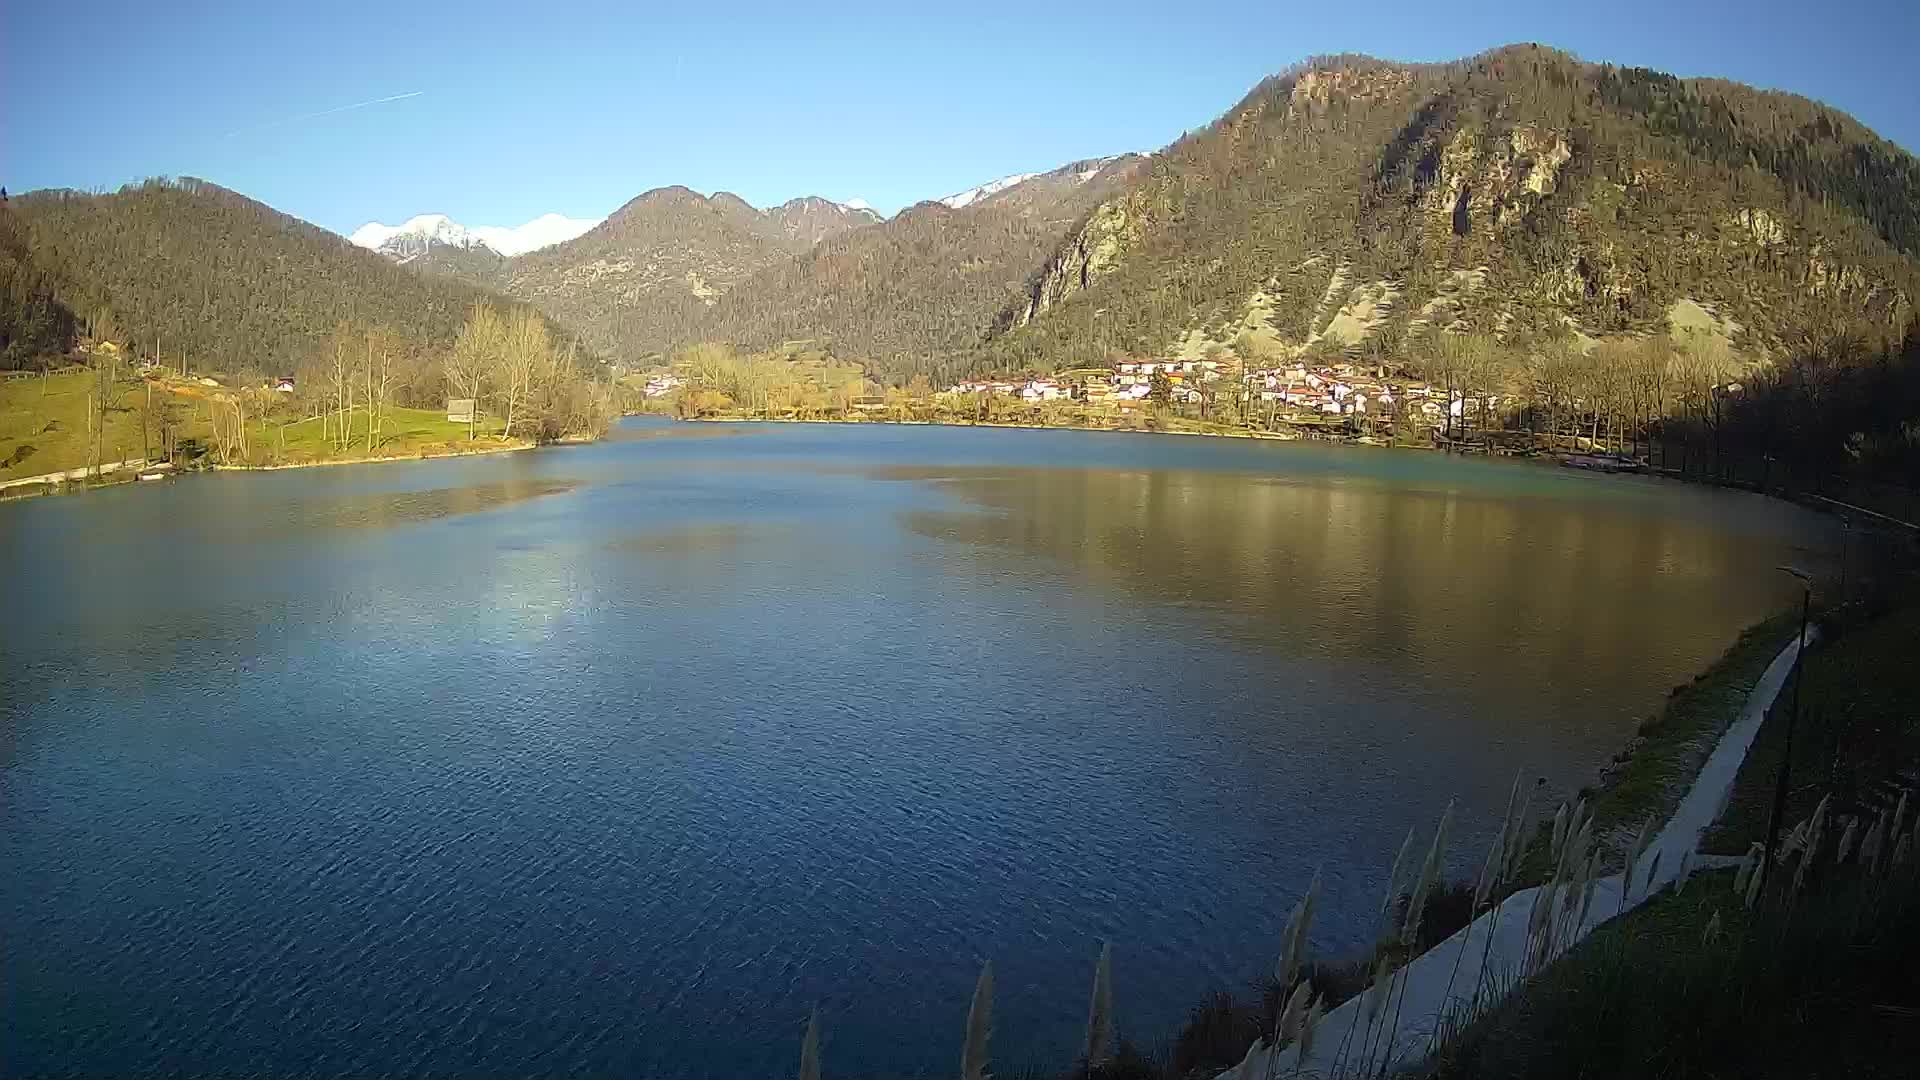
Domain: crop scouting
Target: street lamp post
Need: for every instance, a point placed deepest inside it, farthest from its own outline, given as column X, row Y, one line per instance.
column 1786, row 757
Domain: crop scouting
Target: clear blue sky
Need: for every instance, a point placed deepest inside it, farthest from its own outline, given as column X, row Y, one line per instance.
column 527, row 108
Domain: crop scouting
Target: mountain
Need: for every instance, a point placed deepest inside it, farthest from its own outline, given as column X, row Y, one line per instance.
column 809, row 220
column 963, row 199
column 674, row 266
column 913, row 293
column 1523, row 194
column 34, row 321
column 419, row 235
column 188, row 267
column 661, row 260
column 1348, row 204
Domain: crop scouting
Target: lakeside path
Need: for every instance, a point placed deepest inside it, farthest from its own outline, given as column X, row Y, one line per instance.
column 81, row 473
column 1490, row 952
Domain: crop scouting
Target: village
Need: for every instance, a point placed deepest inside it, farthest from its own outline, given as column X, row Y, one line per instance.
column 1329, row 396
column 1297, row 391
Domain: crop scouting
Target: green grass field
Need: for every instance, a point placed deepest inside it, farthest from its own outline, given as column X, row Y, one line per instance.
column 43, row 428
column 43, row 424
column 403, row 433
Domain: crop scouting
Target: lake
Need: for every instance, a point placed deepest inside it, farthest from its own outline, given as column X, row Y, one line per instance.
column 618, row 759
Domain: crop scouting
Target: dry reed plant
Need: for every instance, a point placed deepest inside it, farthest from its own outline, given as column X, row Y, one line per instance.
column 810, row 1048
column 973, row 1053
column 1100, row 1010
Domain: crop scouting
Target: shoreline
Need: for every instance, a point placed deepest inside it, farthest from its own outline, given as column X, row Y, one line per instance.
column 118, row 473
column 1495, row 951
column 503, row 448
column 1248, row 433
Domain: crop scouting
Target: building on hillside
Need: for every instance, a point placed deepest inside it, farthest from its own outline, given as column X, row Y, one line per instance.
column 283, row 384
column 460, row 410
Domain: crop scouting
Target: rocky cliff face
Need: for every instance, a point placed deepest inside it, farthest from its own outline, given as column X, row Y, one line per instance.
column 1495, row 184
column 1093, row 249
column 1522, row 194
column 807, row 221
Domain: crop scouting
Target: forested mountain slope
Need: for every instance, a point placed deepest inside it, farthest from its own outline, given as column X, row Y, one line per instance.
column 187, row 268
column 1522, row 194
column 920, row 292
column 34, row 322
column 655, row 266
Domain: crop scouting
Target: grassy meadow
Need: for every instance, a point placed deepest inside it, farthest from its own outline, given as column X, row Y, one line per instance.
column 43, row 424
column 401, row 433
column 44, row 427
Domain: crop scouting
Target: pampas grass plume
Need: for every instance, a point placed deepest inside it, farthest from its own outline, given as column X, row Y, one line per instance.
column 1745, row 872
column 1846, row 840
column 810, row 1048
column 1870, row 846
column 1712, row 933
column 1293, row 948
column 973, row 1055
column 1429, row 873
column 1294, row 1013
column 1517, row 840
column 1394, row 877
column 1100, row 1012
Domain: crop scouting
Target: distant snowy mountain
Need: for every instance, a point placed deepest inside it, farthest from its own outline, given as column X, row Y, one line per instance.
column 1082, row 171
column 543, row 231
column 418, row 235
column 975, row 194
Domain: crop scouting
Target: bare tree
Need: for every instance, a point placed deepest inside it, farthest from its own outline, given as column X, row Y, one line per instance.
column 527, row 351
column 475, row 353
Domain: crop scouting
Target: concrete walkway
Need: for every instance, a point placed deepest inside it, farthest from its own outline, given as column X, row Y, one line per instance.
column 1490, row 952
column 80, row 473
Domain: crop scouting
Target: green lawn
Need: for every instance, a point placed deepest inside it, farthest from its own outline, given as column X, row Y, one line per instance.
column 403, row 433
column 43, row 424
column 43, row 427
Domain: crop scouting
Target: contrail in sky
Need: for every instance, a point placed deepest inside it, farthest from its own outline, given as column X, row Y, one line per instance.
column 324, row 112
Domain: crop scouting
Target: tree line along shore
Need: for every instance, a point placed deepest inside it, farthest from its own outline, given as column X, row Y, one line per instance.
column 364, row 394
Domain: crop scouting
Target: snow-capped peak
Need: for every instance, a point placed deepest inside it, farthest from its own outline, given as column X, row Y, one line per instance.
column 1091, row 169
column 975, row 194
column 543, row 231
column 855, row 204
column 434, row 228
column 417, row 234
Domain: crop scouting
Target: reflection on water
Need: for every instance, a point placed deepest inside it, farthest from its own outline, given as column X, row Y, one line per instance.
column 584, row 762
column 1518, row 606
column 693, row 540
column 386, row 509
